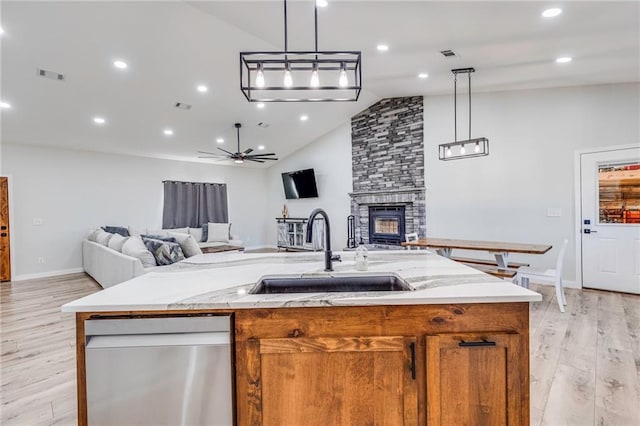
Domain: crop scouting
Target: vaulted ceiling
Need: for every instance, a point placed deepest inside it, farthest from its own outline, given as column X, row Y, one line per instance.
column 171, row 47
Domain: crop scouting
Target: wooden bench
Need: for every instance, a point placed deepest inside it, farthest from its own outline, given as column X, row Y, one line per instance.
column 495, row 271
column 514, row 265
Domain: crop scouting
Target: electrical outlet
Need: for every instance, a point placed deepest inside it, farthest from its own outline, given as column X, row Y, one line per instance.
column 554, row 212
column 38, row 221
column 41, row 260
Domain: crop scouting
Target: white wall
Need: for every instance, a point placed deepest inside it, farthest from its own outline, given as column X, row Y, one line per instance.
column 74, row 191
column 330, row 156
column 533, row 136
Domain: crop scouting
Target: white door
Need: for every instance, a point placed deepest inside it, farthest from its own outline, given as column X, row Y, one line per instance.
column 610, row 219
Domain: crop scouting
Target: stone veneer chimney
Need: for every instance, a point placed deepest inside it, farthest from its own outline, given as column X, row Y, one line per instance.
column 387, row 145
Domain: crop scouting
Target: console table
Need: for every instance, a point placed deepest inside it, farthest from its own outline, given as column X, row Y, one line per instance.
column 292, row 232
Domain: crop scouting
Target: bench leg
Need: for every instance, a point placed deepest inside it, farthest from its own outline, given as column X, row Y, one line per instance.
column 445, row 252
column 502, row 259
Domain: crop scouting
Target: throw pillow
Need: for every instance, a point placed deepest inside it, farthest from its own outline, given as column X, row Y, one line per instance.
column 196, row 233
column 178, row 230
column 116, row 242
column 134, row 247
column 166, row 253
column 103, row 237
column 161, row 237
column 205, row 232
column 93, row 234
column 188, row 243
column 117, row 230
column 218, row 233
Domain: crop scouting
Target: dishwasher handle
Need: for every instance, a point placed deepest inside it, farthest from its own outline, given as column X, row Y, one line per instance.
column 154, row 340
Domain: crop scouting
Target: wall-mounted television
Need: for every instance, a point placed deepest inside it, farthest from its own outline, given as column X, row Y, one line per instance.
column 300, row 184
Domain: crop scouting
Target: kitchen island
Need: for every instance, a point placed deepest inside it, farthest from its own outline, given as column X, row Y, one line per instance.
column 452, row 351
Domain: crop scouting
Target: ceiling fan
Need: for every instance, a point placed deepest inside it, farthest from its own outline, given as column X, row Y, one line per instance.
column 239, row 157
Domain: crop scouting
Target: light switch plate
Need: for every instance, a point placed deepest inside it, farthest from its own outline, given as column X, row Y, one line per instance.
column 554, row 212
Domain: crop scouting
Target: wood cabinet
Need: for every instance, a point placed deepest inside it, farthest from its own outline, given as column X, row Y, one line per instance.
column 383, row 365
column 476, row 379
column 292, row 233
column 336, row 381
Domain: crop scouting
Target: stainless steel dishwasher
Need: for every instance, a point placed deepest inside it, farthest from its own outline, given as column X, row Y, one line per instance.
column 159, row 371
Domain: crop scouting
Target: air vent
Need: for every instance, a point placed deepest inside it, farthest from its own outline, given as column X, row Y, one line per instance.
column 51, row 75
column 182, row 105
column 263, row 124
column 448, row 53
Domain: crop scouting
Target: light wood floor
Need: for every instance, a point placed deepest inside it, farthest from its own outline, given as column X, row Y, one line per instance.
column 585, row 364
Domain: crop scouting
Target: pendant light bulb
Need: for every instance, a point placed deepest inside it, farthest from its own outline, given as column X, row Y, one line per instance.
column 343, row 81
column 288, row 78
column 315, row 77
column 260, row 76
column 449, row 152
column 477, row 148
column 462, row 150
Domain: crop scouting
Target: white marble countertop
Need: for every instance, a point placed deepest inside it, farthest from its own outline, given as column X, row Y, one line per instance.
column 222, row 280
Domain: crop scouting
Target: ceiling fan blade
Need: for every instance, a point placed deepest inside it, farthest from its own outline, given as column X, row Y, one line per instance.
column 262, row 155
column 254, row 160
column 261, row 158
column 213, row 156
column 224, row 150
column 207, row 152
column 247, row 151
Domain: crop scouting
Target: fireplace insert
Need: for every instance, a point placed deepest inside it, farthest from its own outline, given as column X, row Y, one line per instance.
column 386, row 225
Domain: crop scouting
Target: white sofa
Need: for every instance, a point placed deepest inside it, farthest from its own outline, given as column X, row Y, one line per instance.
column 110, row 267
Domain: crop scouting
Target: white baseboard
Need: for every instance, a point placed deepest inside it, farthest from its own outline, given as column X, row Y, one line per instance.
column 48, row 274
column 261, row 247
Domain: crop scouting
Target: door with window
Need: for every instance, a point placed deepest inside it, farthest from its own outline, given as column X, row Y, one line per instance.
column 610, row 219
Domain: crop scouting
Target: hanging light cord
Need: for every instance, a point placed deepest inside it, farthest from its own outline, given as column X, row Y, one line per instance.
column 455, row 107
column 469, row 74
column 285, row 26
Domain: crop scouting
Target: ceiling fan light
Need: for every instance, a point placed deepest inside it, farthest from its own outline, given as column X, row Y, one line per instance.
column 238, row 161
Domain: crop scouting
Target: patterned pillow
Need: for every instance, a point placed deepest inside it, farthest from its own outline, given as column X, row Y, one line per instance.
column 116, row 230
column 165, row 238
column 165, row 252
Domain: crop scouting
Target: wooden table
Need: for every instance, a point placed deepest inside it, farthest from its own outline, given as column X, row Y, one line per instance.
column 500, row 250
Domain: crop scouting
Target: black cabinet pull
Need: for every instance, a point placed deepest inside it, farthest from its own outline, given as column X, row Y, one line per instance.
column 3, row 227
column 412, row 347
column 4, row 234
column 483, row 342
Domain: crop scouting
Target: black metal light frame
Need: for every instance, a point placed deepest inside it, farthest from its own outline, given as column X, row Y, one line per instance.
column 478, row 147
column 331, row 63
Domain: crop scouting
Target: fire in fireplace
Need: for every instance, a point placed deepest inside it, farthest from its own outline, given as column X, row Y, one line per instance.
column 386, row 224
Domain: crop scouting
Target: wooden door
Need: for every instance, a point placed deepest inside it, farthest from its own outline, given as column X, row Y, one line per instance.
column 335, row 381
column 5, row 254
column 477, row 379
column 610, row 201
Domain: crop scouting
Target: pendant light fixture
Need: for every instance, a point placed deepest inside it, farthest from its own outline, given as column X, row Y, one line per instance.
column 301, row 76
column 461, row 149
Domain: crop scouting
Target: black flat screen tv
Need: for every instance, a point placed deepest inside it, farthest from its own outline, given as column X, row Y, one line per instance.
column 300, row 184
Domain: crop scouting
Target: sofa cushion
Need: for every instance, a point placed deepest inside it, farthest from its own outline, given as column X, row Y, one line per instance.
column 165, row 252
column 134, row 247
column 187, row 243
column 93, row 235
column 117, row 230
column 218, row 232
column 136, row 232
column 103, row 237
column 157, row 232
column 196, row 233
column 116, row 242
column 178, row 230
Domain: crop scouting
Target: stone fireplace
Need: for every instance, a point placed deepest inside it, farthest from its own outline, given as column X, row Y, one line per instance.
column 388, row 171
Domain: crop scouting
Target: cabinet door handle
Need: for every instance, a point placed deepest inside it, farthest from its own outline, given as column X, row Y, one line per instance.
column 483, row 342
column 412, row 347
column 4, row 234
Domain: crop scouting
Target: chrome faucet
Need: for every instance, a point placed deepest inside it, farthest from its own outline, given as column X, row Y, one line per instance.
column 328, row 256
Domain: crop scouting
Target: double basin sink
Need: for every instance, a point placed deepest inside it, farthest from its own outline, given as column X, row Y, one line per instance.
column 330, row 284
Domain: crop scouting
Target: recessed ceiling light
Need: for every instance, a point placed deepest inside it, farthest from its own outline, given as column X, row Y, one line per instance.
column 202, row 88
column 99, row 120
column 261, row 147
column 423, row 75
column 382, row 47
column 220, row 140
column 260, row 105
column 564, row 59
column 120, row 64
column 168, row 132
column 550, row 13
column 304, row 117
column 322, row 3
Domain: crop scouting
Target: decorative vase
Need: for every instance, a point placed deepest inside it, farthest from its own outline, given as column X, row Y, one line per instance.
column 285, row 211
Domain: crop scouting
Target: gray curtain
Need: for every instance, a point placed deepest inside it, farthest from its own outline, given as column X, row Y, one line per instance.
column 192, row 204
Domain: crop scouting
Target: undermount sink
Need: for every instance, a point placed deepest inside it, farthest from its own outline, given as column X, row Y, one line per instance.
column 330, row 284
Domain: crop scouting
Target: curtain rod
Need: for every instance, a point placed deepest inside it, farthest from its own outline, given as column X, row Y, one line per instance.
column 193, row 183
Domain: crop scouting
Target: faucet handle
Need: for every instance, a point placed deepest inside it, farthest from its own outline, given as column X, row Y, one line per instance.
column 336, row 258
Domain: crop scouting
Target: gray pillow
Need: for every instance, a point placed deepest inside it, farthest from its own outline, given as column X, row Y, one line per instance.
column 188, row 243
column 117, row 230
column 205, row 232
column 116, row 242
column 134, row 247
column 103, row 237
column 165, row 252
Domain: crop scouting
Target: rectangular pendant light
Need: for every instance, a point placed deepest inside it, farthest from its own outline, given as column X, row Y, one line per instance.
column 469, row 148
